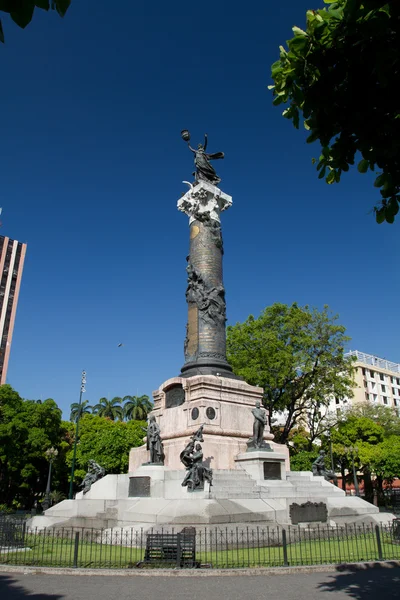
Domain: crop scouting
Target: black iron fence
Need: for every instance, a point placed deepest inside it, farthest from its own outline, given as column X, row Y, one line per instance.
column 204, row 547
column 12, row 531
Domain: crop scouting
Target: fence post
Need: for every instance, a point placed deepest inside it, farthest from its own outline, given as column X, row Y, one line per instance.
column 284, row 542
column 379, row 542
column 76, row 549
column 178, row 550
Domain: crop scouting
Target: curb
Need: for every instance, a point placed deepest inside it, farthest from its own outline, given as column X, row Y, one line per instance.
column 265, row 571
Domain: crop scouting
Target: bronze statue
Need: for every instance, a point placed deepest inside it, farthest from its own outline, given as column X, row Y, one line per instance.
column 204, row 170
column 260, row 420
column 94, row 473
column 197, row 472
column 154, row 442
column 319, row 468
column 192, row 458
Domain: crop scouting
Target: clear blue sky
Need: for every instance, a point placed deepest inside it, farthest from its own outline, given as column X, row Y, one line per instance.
column 91, row 170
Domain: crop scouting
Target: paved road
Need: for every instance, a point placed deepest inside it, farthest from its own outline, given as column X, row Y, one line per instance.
column 366, row 584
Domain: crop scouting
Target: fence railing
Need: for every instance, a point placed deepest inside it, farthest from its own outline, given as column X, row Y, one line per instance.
column 213, row 547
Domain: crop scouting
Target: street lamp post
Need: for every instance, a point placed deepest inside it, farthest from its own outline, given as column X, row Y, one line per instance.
column 51, row 454
column 83, row 390
column 331, row 451
column 351, row 450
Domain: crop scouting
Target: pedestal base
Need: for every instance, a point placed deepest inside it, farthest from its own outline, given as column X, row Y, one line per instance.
column 263, row 465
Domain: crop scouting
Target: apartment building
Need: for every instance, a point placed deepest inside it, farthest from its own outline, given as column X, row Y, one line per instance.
column 12, row 256
column 377, row 380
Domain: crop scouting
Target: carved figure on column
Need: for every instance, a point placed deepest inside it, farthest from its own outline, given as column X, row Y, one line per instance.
column 209, row 300
column 260, row 420
column 204, row 170
column 154, row 443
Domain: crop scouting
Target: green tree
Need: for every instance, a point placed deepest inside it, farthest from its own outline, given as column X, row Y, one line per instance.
column 296, row 354
column 137, row 407
column 28, row 428
column 374, row 430
column 77, row 410
column 342, row 75
column 111, row 409
column 107, row 442
column 21, row 11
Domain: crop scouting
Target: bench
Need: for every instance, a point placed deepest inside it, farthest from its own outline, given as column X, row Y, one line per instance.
column 175, row 548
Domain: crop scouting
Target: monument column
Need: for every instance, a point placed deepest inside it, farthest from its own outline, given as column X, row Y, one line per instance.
column 205, row 343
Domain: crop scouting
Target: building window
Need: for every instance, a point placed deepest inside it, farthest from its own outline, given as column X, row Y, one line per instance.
column 365, row 384
column 395, row 402
column 337, row 400
column 393, row 379
column 363, row 371
column 398, row 380
column 382, row 377
column 394, row 391
column 373, row 386
column 372, row 374
column 383, row 388
column 375, row 397
column 384, row 400
column 366, row 396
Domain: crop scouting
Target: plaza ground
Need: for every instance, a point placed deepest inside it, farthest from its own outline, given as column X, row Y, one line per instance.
column 361, row 582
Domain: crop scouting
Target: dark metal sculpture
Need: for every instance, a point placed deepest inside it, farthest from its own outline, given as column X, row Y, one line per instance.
column 94, row 473
column 204, row 170
column 210, row 300
column 256, row 442
column 154, row 442
column 192, row 458
column 319, row 468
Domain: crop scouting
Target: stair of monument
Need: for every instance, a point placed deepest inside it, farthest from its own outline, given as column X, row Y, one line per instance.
column 233, row 484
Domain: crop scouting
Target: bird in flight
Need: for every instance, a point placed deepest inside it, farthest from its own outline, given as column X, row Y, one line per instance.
column 119, row 345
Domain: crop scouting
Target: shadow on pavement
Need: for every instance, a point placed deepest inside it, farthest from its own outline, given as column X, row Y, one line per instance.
column 365, row 582
column 10, row 589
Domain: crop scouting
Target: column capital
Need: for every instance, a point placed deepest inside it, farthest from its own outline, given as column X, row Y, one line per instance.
column 204, row 201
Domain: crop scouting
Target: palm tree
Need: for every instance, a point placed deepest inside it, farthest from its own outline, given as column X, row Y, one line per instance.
column 136, row 408
column 109, row 408
column 78, row 410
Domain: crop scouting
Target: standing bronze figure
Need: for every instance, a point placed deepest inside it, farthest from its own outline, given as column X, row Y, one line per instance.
column 260, row 420
column 154, row 443
column 204, row 170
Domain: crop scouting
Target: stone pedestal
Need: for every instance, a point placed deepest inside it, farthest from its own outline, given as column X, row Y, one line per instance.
column 263, row 466
column 223, row 405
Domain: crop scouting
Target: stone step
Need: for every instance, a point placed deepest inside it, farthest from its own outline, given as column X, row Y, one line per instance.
column 223, row 477
column 237, row 495
column 231, row 490
column 236, row 482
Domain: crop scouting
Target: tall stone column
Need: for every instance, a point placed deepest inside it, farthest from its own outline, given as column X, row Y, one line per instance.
column 205, row 343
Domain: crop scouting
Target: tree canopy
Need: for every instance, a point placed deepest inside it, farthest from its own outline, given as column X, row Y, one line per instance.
column 297, row 355
column 27, row 429
column 109, row 408
column 21, row 11
column 342, row 75
column 107, row 442
column 137, row 407
column 77, row 410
